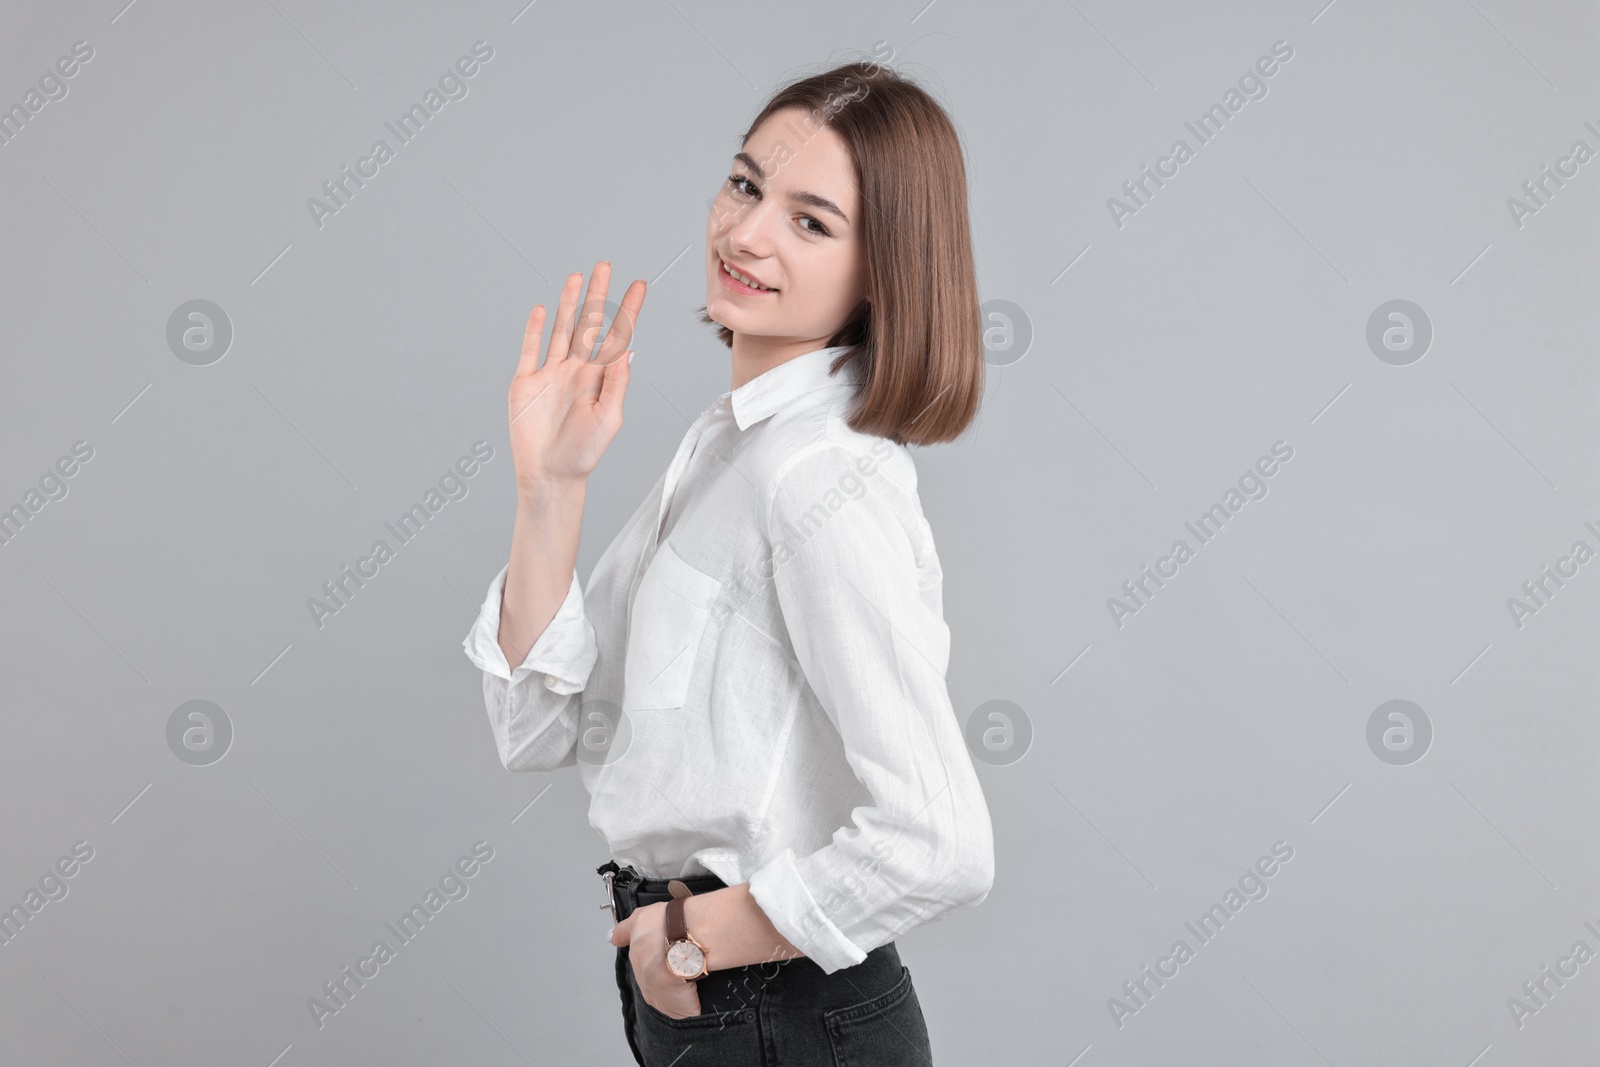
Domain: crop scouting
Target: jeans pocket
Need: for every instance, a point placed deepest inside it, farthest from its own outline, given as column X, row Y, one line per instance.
column 625, row 988
column 706, row 1020
column 885, row 1031
column 725, row 1031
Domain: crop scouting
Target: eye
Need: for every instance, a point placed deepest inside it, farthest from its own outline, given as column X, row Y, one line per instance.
column 736, row 182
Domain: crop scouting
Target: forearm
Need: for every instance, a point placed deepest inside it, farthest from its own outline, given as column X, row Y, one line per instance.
column 733, row 929
column 544, row 551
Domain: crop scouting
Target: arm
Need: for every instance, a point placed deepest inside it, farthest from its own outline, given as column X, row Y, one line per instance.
column 533, row 709
column 562, row 416
column 874, row 649
column 544, row 551
column 734, row 930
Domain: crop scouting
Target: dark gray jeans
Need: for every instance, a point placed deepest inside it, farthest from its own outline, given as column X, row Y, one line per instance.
column 786, row 1013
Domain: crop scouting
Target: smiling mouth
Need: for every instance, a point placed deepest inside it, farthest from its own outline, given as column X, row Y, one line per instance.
column 739, row 282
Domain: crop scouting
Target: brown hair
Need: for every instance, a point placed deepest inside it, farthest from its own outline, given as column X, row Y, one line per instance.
column 918, row 336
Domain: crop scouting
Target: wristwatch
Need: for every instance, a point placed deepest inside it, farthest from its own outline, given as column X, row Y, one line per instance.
column 686, row 957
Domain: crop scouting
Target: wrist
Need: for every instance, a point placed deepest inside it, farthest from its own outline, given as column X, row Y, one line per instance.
column 733, row 930
column 699, row 911
column 550, row 505
column 685, row 956
column 536, row 490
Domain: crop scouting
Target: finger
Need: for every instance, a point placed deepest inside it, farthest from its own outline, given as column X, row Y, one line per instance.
column 614, row 386
column 592, row 316
column 530, row 342
column 620, row 336
column 561, row 333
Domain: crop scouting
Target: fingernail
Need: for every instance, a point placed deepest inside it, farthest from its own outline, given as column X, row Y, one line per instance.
column 630, row 358
column 608, row 937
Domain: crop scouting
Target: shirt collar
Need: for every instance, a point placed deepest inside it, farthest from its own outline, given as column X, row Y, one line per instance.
column 772, row 390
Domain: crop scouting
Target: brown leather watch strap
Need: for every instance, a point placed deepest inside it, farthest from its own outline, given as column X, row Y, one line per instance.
column 677, row 927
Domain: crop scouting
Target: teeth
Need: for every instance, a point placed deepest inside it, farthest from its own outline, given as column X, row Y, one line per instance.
column 752, row 284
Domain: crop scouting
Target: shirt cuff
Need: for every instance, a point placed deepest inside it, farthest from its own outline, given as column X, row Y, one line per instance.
column 789, row 905
column 564, row 654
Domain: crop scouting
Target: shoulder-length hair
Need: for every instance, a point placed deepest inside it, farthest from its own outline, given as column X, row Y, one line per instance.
column 917, row 338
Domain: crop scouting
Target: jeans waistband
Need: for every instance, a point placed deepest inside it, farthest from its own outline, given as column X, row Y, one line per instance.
column 628, row 888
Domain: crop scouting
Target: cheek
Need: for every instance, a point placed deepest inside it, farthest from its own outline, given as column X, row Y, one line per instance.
column 845, row 274
column 859, row 279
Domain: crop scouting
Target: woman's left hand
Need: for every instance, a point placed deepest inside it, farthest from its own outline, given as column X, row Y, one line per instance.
column 644, row 931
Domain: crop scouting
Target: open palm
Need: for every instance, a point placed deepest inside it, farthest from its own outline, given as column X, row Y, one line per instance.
column 565, row 413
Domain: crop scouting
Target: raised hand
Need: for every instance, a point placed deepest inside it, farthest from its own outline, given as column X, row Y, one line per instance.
column 565, row 412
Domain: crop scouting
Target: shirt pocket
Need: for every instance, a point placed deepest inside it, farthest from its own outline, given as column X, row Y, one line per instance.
column 669, row 617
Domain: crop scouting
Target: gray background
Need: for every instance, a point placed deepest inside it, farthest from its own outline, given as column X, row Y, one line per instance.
column 1166, row 755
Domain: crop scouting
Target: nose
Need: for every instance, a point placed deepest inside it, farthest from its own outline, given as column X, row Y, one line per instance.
column 746, row 227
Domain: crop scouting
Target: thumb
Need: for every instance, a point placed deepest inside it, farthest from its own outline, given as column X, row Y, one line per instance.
column 619, row 933
column 615, row 384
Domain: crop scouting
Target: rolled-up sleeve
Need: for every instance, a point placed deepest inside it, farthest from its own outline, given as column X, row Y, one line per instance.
column 533, row 709
column 864, row 616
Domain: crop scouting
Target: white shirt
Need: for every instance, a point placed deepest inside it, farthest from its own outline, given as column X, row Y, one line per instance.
column 778, row 659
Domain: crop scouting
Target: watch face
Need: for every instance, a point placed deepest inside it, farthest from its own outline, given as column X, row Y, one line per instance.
column 685, row 959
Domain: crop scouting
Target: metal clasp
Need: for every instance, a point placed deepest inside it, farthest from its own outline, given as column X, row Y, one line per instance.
column 611, row 900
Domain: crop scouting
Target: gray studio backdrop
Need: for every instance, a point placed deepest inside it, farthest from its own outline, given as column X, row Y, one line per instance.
column 1316, row 787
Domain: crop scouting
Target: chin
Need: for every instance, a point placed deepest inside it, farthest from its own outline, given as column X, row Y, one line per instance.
column 721, row 309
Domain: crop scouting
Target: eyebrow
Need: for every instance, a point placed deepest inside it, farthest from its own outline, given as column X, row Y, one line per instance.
column 821, row 203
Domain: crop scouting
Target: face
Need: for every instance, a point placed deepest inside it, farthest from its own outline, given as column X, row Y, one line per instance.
column 788, row 217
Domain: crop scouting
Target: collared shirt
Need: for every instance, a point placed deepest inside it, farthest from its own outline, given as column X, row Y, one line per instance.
column 752, row 683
